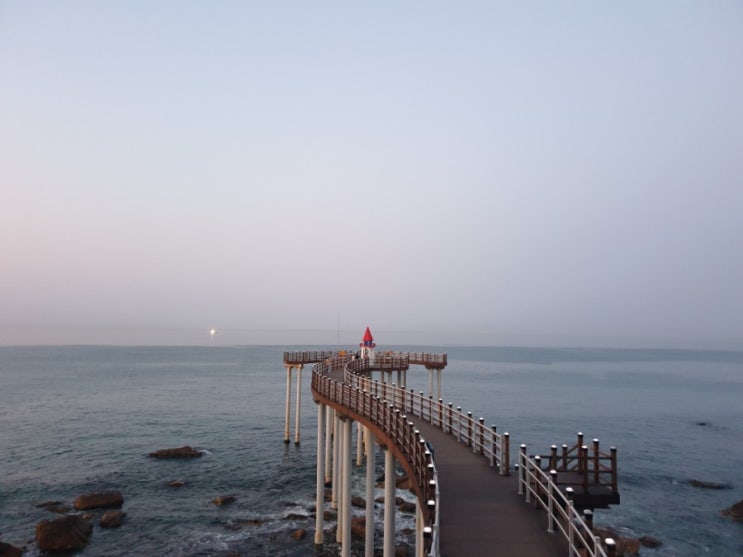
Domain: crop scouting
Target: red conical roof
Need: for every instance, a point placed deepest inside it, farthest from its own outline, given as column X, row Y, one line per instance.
column 368, row 336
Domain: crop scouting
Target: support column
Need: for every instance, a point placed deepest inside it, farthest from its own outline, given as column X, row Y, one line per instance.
column 370, row 460
column 345, row 509
column 438, row 379
column 329, row 417
column 404, row 383
column 359, row 444
column 320, row 492
column 288, row 402
column 389, row 504
column 430, row 381
column 336, row 461
column 299, row 399
column 420, row 550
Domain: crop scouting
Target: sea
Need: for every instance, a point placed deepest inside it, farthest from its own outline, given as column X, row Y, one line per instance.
column 82, row 419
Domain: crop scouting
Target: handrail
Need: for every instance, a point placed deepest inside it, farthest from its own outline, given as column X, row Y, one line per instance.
column 484, row 440
column 387, row 406
column 540, row 487
column 393, row 425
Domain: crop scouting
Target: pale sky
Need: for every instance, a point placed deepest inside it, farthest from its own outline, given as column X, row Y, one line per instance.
column 444, row 172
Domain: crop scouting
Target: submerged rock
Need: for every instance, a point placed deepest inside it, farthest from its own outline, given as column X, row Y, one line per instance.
column 177, row 452
column 708, row 485
column 100, row 500
column 223, row 500
column 176, row 483
column 735, row 511
column 64, row 533
column 112, row 519
column 299, row 534
column 7, row 550
column 53, row 507
column 650, row 541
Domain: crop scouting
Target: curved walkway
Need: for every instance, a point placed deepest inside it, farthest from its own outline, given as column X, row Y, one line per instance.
column 481, row 511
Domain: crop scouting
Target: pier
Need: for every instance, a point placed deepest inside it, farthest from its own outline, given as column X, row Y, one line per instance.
column 470, row 499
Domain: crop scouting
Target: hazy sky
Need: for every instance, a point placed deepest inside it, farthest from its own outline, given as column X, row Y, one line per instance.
column 470, row 172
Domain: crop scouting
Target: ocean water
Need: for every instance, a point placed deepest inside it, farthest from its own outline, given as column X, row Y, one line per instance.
column 79, row 419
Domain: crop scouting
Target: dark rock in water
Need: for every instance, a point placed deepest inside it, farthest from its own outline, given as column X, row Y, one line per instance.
column 402, row 551
column 54, row 507
column 299, row 534
column 64, row 533
column 100, row 500
column 708, row 485
column 735, row 512
column 223, row 500
column 176, row 483
column 406, row 507
column 7, row 550
column 358, row 502
column 177, row 452
column 297, row 516
column 650, row 541
column 358, row 526
column 112, row 519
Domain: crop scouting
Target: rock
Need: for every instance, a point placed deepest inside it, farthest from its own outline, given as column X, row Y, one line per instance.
column 100, row 500
column 628, row 546
column 650, row 541
column 358, row 527
column 223, row 500
column 66, row 532
column 402, row 551
column 54, row 507
column 299, row 534
column 178, row 452
column 708, row 485
column 403, row 482
column 7, row 550
column 406, row 507
column 176, row 483
column 297, row 516
column 329, row 515
column 112, row 519
column 735, row 511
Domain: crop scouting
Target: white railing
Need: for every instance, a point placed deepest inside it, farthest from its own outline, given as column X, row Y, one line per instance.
column 484, row 440
column 540, row 488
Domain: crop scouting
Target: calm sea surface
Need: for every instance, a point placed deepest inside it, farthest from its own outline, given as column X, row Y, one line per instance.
column 79, row 419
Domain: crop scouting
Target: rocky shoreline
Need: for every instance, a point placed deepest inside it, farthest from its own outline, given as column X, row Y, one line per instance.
column 103, row 509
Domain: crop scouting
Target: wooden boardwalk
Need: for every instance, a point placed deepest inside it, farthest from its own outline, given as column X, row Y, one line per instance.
column 481, row 511
column 478, row 509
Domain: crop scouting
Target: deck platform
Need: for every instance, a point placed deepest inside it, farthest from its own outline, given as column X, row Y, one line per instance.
column 481, row 511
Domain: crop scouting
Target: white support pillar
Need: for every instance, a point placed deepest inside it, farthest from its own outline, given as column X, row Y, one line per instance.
column 359, row 444
column 299, row 400
column 389, row 504
column 336, row 462
column 438, row 379
column 288, row 402
column 329, row 417
column 430, row 381
column 320, row 492
column 346, row 496
column 370, row 460
column 404, row 383
column 399, row 378
column 420, row 550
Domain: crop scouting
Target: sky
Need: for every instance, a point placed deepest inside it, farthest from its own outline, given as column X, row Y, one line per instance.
column 496, row 173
